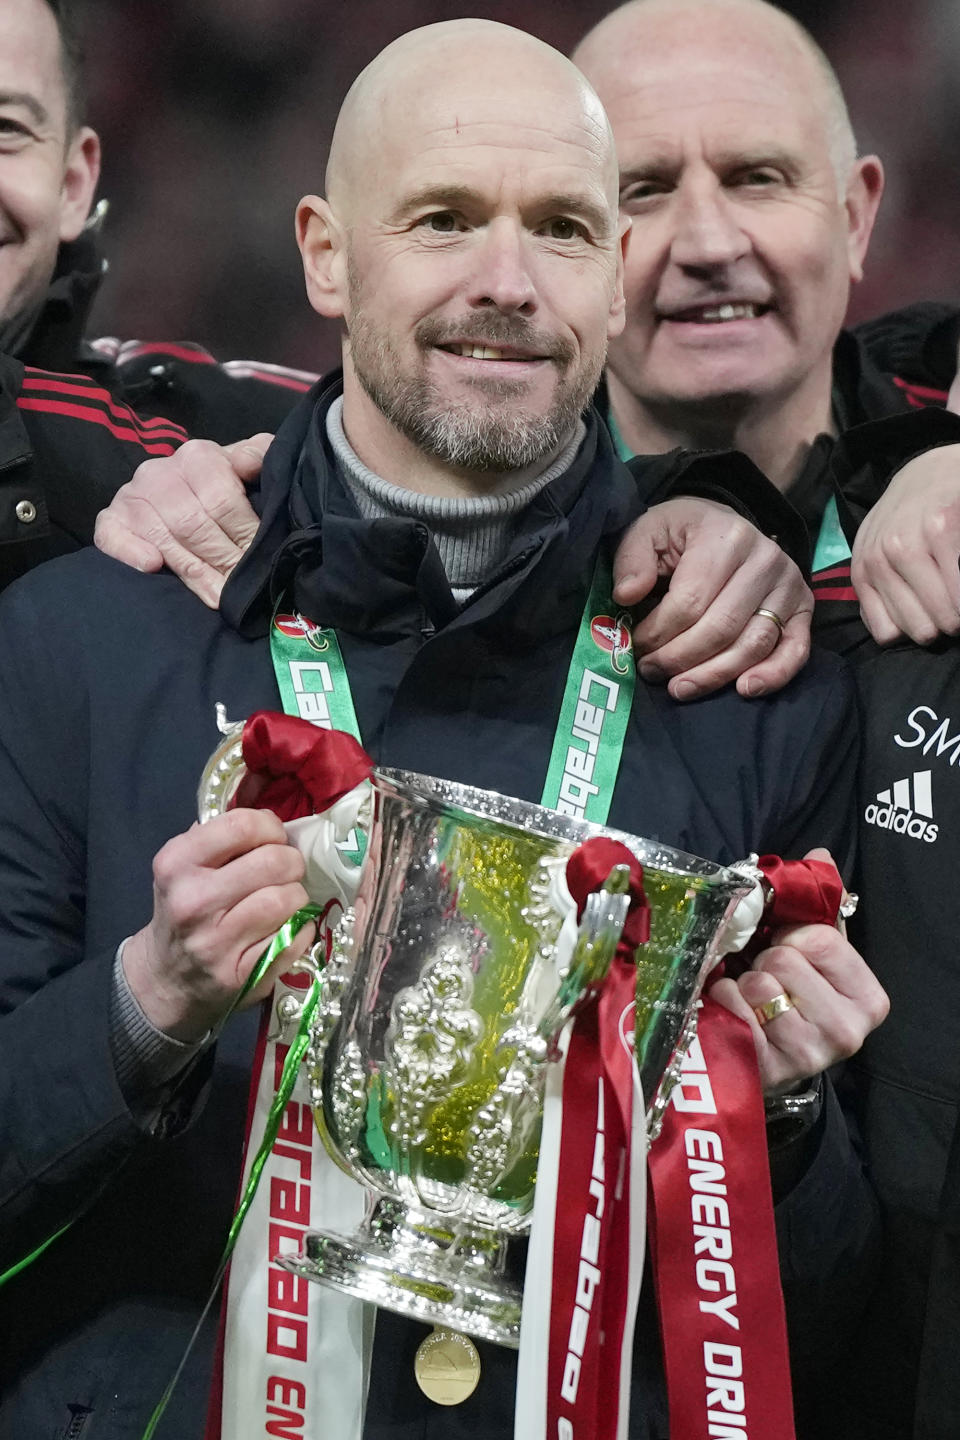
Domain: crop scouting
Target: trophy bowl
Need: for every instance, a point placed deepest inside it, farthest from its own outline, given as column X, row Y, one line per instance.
column 451, row 977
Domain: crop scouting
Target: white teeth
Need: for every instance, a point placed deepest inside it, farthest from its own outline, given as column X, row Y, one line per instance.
column 730, row 312
column 478, row 352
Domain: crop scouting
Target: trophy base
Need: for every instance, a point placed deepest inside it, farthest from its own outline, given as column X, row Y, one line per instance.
column 418, row 1264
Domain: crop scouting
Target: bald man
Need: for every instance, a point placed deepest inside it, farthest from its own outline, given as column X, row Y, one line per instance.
column 751, row 215
column 444, row 507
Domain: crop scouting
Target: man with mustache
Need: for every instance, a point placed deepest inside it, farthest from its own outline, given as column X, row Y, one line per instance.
column 443, row 507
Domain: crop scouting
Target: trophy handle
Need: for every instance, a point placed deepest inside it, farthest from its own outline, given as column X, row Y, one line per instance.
column 597, row 937
column 502, row 1126
column 333, row 842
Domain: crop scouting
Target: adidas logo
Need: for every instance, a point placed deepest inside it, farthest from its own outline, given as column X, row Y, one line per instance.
column 906, row 808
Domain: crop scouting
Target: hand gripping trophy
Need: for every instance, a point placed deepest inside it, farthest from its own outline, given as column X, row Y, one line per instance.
column 505, row 1001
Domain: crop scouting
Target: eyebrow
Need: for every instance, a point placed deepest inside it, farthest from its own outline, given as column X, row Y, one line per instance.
column 453, row 196
column 27, row 102
column 747, row 158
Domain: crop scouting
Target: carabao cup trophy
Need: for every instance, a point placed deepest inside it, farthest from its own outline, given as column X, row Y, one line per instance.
column 455, row 967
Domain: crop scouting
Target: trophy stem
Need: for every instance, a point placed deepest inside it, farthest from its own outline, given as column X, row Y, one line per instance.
column 417, row 1263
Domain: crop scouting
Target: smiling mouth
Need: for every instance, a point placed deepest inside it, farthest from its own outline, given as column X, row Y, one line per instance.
column 488, row 352
column 718, row 314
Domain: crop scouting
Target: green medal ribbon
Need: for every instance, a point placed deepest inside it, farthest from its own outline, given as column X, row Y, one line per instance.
column 832, row 547
column 313, row 684
column 596, row 705
column 597, row 697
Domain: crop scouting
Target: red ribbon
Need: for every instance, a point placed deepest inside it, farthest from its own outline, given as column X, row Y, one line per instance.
column 591, row 1229
column 709, row 1169
column 587, row 871
column 714, row 1247
column 805, row 892
column 295, row 768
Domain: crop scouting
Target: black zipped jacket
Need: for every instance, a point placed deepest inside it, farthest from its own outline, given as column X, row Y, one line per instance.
column 903, row 1380
column 149, row 397
column 109, row 681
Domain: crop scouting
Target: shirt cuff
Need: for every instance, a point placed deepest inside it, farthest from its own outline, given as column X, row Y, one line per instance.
column 145, row 1058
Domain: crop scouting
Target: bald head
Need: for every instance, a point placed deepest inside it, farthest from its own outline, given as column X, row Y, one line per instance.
column 424, row 76
column 751, row 217
column 612, row 54
column 471, row 245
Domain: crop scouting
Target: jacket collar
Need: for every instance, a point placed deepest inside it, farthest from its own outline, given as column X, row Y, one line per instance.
column 55, row 340
column 312, row 543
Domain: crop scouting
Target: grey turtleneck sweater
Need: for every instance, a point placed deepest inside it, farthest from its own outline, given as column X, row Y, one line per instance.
column 471, row 533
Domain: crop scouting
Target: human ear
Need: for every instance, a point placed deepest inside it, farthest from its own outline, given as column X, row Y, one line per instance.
column 321, row 243
column 864, row 192
column 618, row 304
column 80, row 176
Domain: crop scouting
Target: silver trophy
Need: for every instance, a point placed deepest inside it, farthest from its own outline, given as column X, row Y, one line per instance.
column 453, row 972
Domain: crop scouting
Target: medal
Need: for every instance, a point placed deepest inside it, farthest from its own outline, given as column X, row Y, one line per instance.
column 447, row 1367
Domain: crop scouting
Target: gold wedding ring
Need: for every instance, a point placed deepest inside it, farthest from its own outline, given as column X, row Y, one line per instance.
column 770, row 1009
column 770, row 615
column 447, row 1367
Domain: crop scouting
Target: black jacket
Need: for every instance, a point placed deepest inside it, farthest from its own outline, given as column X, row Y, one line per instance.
column 106, row 721
column 904, row 1086
column 899, row 1378
column 151, row 397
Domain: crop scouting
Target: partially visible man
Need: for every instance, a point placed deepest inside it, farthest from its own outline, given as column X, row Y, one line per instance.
column 751, row 215
column 49, row 167
column 149, row 397
column 444, row 507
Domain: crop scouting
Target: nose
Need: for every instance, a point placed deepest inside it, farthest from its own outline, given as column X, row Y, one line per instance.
column 707, row 235
column 502, row 277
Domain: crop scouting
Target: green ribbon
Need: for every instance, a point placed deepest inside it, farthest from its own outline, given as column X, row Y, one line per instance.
column 595, row 710
column 35, row 1254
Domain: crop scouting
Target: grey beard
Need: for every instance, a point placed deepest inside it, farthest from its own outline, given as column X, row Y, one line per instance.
column 470, row 441
column 491, row 437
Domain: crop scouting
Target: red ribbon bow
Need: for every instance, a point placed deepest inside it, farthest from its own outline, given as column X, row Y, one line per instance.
column 295, row 768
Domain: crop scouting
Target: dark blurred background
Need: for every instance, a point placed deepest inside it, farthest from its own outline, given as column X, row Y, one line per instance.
column 216, row 114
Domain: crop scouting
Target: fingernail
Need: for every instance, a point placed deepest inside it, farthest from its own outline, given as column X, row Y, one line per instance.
column 651, row 673
column 685, row 690
column 753, row 687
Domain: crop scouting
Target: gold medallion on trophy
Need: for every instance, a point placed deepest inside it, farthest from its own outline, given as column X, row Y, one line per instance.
column 447, row 1367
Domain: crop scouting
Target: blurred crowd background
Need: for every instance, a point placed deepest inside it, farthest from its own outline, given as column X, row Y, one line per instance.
column 216, row 115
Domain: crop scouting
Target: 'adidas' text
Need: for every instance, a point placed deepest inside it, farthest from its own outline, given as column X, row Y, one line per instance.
column 906, row 808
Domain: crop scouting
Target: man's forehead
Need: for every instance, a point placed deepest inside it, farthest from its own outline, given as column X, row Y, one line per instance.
column 732, row 113
column 493, row 149
column 471, row 142
column 30, row 59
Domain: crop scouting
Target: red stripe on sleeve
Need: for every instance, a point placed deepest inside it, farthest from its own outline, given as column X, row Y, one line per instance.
column 97, row 417
column 152, row 428
column 133, row 351
column 285, row 380
column 919, row 394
